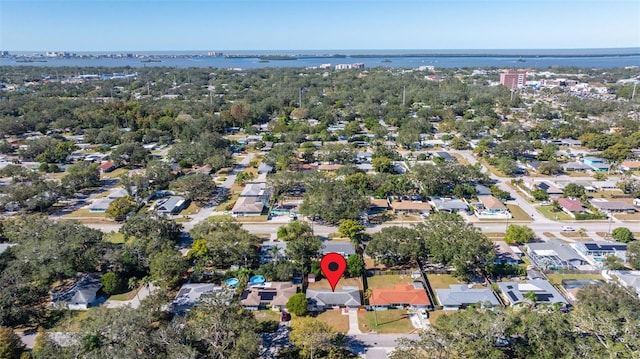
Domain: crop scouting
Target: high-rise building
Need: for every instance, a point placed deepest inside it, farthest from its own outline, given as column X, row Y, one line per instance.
column 514, row 78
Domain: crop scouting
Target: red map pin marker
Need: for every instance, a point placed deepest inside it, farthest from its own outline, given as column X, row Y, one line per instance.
column 333, row 266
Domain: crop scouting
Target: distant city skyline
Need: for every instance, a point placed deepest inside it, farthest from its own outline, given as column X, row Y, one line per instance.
column 216, row 25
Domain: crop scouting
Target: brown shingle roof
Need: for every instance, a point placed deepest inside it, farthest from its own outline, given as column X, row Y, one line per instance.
column 401, row 294
column 490, row 202
column 571, row 205
column 410, row 206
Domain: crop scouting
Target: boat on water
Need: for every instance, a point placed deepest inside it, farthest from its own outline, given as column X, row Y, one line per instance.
column 521, row 60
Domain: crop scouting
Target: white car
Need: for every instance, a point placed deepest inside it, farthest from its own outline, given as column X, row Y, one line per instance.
column 567, row 229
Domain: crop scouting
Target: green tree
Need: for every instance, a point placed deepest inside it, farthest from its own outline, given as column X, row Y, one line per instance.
column 11, row 346
column 224, row 243
column 82, row 175
column 311, row 335
column 197, row 186
column 622, row 234
column 550, row 168
column 574, row 190
column 294, row 230
column 633, row 254
column 395, row 246
column 110, row 283
column 382, row 165
column 168, row 267
column 130, row 154
column 355, row 266
column 297, row 304
column 539, row 194
column 120, row 207
column 518, row 234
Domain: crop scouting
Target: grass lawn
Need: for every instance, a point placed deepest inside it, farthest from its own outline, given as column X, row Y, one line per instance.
column 441, row 281
column 65, row 320
column 324, row 284
column 557, row 278
column 267, row 314
column 518, row 213
column 388, row 281
column 125, row 296
column 114, row 237
column 461, row 159
column 114, row 174
column 84, row 212
column 251, row 219
column 389, row 321
column 192, row 209
column 495, row 235
column 339, row 322
column 492, row 169
column 219, row 218
column 433, row 316
column 228, row 204
column 628, row 216
column 556, row 216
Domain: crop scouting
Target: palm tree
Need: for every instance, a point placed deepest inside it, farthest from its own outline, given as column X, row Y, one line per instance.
column 275, row 253
column 133, row 283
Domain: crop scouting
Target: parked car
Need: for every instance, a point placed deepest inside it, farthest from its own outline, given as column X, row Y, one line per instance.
column 567, row 229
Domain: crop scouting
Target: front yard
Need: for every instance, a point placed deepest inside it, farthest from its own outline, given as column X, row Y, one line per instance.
column 390, row 321
column 324, row 284
column 555, row 216
column 518, row 213
column 335, row 318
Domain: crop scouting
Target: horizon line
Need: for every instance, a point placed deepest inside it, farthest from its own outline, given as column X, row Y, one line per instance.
column 349, row 49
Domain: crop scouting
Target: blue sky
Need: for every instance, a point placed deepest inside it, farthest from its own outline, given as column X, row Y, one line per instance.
column 217, row 25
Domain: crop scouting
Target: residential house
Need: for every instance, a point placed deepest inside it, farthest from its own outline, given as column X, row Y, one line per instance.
column 596, row 163
column 80, row 296
column 629, row 165
column 268, row 254
column 515, row 292
column 597, row 252
column 549, row 188
column 329, row 167
column 606, row 185
column 571, row 206
column 410, row 207
column 378, row 205
column 461, row 296
column 252, row 200
column 265, row 168
column 171, row 205
column 575, row 166
column 117, row 193
column 445, row 156
column 626, row 278
column 505, row 254
column 107, row 167
column 482, row 190
column 450, row 205
column 554, row 254
column 491, row 207
column 412, row 296
column 343, row 248
column 322, row 299
column 269, row 294
column 191, row 294
column 612, row 206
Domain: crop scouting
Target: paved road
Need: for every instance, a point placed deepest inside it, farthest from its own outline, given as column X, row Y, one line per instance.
column 375, row 346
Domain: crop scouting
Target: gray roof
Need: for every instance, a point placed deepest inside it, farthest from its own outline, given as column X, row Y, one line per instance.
column 169, row 204
column 575, row 166
column 628, row 278
column 344, row 248
column 82, row 292
column 254, row 190
column 482, row 190
column 442, row 204
column 460, row 294
column 264, row 168
column 100, row 204
column 613, row 205
column 544, row 291
column 190, row 294
column 347, row 296
column 550, row 249
column 248, row 205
